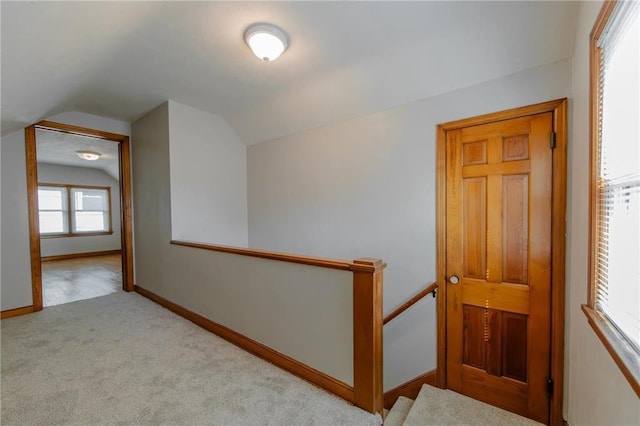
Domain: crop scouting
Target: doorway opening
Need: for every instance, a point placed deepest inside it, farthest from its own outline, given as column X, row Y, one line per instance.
column 79, row 193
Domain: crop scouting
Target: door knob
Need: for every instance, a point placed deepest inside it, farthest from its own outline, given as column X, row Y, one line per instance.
column 453, row 279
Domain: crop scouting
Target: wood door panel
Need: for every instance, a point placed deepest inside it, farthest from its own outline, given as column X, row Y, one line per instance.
column 514, row 350
column 473, row 336
column 515, row 224
column 498, row 226
column 474, row 153
column 474, row 207
column 515, row 148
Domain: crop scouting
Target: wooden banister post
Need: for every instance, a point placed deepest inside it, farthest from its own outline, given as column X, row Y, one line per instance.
column 367, row 334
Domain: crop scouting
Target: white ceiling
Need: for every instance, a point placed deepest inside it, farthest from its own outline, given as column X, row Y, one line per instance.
column 121, row 59
column 60, row 148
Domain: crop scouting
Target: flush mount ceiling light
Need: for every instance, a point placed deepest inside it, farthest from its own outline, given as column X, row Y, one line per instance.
column 88, row 155
column 266, row 41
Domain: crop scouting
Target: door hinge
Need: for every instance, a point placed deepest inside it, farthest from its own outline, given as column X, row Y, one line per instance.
column 550, row 387
column 553, row 140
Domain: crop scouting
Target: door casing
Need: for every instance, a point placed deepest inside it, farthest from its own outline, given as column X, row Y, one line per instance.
column 126, row 217
column 558, row 226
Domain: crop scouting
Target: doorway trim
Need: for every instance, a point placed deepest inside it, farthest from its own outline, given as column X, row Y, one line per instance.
column 558, row 226
column 32, row 195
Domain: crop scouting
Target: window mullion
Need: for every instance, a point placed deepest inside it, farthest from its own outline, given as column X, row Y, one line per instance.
column 69, row 210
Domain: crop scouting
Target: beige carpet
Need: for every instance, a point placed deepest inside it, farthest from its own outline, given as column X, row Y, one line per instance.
column 444, row 407
column 122, row 359
column 398, row 412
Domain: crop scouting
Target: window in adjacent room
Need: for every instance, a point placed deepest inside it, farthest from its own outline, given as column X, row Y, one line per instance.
column 52, row 202
column 90, row 209
column 69, row 210
column 614, row 290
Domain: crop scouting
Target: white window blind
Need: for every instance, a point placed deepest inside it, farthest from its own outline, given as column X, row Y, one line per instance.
column 617, row 192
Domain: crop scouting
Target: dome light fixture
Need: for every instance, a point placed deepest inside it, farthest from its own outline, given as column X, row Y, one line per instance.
column 88, row 155
column 266, row 41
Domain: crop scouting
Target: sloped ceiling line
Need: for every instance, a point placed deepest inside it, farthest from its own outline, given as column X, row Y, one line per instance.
column 121, row 59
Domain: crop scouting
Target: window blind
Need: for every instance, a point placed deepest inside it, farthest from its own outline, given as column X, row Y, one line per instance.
column 617, row 192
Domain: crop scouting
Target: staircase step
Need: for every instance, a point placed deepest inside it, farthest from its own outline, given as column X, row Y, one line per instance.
column 398, row 412
column 435, row 406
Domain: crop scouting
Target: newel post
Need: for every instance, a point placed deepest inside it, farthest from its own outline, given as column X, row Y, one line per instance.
column 367, row 334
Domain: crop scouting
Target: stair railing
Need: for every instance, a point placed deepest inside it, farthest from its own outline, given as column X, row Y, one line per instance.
column 430, row 289
column 219, row 283
column 411, row 388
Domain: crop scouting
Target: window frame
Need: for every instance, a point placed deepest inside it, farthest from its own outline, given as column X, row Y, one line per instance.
column 623, row 354
column 71, row 210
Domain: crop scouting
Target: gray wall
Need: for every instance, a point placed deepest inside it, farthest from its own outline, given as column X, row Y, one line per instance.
column 16, row 271
column 16, row 266
column 54, row 173
column 596, row 391
column 366, row 187
column 279, row 304
column 208, row 178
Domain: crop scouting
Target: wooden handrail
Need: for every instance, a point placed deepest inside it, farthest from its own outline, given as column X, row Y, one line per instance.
column 430, row 289
column 362, row 265
column 284, row 257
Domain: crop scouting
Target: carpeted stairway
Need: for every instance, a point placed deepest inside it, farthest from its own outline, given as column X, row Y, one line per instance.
column 444, row 407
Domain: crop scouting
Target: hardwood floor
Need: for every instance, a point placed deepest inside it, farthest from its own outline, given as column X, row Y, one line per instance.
column 68, row 280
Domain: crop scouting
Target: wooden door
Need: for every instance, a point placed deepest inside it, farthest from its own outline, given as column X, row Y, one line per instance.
column 498, row 244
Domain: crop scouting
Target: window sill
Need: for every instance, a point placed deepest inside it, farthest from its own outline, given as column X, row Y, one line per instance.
column 622, row 353
column 83, row 234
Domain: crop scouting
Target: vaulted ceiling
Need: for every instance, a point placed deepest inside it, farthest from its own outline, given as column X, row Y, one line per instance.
column 60, row 148
column 121, row 59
